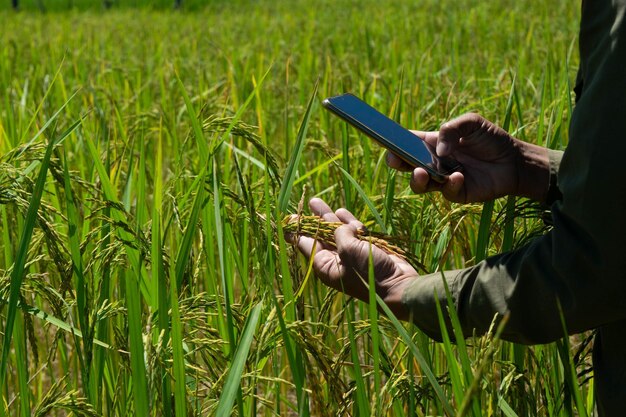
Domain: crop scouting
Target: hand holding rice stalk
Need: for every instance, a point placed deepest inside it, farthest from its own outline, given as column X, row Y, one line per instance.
column 324, row 231
column 341, row 248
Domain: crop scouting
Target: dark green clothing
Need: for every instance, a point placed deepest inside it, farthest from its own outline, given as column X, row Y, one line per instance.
column 582, row 260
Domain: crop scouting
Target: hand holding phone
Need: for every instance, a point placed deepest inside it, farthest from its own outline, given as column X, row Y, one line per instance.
column 402, row 142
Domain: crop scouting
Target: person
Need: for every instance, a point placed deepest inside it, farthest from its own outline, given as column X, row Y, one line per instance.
column 576, row 271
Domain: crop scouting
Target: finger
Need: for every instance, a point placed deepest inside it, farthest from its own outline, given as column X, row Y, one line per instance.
column 323, row 210
column 451, row 132
column 344, row 234
column 348, row 218
column 395, row 162
column 292, row 237
column 355, row 257
column 353, row 254
column 309, row 246
column 326, row 262
column 421, row 183
column 327, row 266
column 306, row 245
column 295, row 237
column 453, row 188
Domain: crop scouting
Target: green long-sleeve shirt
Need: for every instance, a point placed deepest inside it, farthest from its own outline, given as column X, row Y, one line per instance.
column 582, row 260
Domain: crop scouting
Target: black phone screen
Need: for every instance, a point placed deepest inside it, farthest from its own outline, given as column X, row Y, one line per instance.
column 408, row 146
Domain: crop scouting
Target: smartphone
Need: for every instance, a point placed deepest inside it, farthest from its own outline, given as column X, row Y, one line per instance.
column 406, row 145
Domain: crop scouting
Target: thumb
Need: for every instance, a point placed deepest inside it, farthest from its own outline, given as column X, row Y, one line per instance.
column 355, row 254
column 451, row 132
column 348, row 245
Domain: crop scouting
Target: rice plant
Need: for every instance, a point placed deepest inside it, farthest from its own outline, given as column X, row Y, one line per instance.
column 152, row 162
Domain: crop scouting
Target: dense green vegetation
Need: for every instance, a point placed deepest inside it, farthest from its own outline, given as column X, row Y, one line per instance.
column 148, row 160
column 53, row 6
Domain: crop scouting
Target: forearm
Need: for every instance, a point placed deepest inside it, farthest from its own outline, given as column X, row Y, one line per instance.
column 495, row 285
column 563, row 274
column 505, row 284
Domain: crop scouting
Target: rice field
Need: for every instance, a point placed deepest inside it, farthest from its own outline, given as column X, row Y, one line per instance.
column 150, row 158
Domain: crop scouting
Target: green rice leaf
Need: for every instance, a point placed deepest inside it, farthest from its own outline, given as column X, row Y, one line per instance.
column 366, row 200
column 430, row 376
column 233, row 379
column 290, row 173
column 21, row 256
column 506, row 408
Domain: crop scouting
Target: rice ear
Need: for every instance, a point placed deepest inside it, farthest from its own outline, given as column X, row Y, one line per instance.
column 324, row 231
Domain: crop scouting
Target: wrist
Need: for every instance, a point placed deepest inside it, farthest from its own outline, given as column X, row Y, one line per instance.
column 533, row 170
column 394, row 298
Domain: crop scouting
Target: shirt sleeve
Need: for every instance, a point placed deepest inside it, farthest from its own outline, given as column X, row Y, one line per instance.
column 577, row 271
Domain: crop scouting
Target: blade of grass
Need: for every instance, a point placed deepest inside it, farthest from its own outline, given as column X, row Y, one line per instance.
column 99, row 379
column 291, row 315
column 374, row 334
column 182, row 260
column 119, row 216
column 453, row 367
column 135, row 330
column 290, row 172
column 484, row 228
column 135, row 282
column 345, row 165
column 293, row 358
column 41, row 104
column 227, row 283
column 35, row 312
column 178, row 354
column 158, row 274
column 509, row 218
column 366, row 200
column 509, row 224
column 22, row 370
column 233, row 379
column 219, row 239
column 134, row 305
column 184, row 250
column 179, row 268
column 466, row 366
column 569, row 368
column 362, row 404
column 21, row 255
column 506, row 408
column 203, row 148
column 430, row 376
column 84, row 350
column 21, row 361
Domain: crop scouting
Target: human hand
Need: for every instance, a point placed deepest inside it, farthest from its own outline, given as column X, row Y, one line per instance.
column 495, row 164
column 345, row 266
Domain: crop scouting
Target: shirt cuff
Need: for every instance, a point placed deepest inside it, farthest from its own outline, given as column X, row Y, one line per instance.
column 421, row 298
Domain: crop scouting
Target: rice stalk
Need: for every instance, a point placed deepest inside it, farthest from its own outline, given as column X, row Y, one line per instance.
column 324, row 231
column 71, row 402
